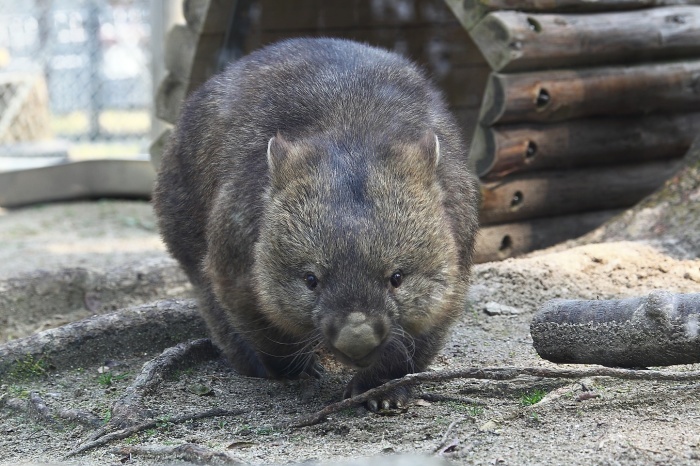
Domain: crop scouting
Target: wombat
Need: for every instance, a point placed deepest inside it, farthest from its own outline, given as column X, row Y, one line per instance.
column 317, row 191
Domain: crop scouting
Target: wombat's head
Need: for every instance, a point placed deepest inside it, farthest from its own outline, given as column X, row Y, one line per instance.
column 355, row 247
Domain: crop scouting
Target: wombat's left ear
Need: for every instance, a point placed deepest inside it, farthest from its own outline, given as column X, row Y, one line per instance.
column 277, row 150
column 430, row 146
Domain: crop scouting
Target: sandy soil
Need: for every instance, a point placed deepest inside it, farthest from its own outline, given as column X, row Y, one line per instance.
column 475, row 422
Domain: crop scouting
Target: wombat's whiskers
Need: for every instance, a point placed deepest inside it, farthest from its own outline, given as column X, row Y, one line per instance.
column 404, row 344
column 313, row 336
column 303, row 357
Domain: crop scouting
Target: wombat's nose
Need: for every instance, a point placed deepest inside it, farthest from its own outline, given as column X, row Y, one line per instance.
column 359, row 335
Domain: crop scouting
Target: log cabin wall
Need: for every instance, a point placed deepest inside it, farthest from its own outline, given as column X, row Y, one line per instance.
column 589, row 108
column 573, row 110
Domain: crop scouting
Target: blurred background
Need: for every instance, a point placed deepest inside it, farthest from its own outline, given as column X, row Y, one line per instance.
column 77, row 78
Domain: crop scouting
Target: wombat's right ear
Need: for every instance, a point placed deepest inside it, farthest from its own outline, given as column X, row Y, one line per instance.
column 430, row 146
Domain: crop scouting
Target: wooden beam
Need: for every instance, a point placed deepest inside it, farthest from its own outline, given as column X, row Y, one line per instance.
column 157, row 147
column 169, row 97
column 498, row 242
column 548, row 194
column 568, row 94
column 501, row 150
column 517, row 41
column 470, row 12
column 208, row 16
column 180, row 48
column 191, row 57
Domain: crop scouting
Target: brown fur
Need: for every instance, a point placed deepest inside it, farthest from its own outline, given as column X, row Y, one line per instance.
column 353, row 189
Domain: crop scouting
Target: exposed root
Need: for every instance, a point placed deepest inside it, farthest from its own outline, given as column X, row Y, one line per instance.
column 129, row 414
column 121, row 334
column 189, row 452
column 491, row 373
column 129, row 407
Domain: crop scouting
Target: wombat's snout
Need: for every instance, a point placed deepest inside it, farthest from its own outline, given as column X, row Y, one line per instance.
column 357, row 336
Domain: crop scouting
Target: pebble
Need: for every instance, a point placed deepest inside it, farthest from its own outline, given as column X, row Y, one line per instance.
column 493, row 308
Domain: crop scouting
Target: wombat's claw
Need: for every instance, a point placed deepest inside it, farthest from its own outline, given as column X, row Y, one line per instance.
column 396, row 399
column 388, row 406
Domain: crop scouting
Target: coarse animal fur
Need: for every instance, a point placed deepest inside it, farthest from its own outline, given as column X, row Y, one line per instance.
column 317, row 191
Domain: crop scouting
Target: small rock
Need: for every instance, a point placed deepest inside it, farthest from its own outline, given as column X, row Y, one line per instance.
column 692, row 275
column 488, row 426
column 493, row 308
column 200, row 389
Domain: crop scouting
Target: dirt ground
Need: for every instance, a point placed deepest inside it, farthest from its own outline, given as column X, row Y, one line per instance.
column 464, row 421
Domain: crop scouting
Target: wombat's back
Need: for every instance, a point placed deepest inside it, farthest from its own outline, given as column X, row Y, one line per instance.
column 295, row 88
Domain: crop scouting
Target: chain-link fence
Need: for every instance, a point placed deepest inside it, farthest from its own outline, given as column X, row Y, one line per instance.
column 76, row 71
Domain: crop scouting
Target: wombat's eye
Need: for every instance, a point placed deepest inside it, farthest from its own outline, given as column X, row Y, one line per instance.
column 311, row 281
column 396, row 279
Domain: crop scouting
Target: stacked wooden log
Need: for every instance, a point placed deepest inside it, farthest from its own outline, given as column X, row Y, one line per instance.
column 589, row 107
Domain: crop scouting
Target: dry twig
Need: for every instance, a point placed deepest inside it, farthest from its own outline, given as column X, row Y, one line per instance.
column 444, row 446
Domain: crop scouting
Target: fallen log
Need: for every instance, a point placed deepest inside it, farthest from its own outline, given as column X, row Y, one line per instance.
column 515, row 41
column 659, row 329
column 501, row 150
column 569, row 94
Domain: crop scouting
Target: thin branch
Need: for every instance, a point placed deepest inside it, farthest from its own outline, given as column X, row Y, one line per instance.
column 491, row 373
column 189, row 452
column 437, row 398
column 36, row 406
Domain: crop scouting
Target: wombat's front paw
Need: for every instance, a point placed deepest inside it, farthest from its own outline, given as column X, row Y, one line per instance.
column 397, row 398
